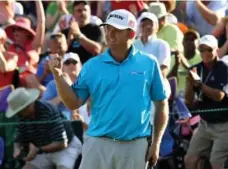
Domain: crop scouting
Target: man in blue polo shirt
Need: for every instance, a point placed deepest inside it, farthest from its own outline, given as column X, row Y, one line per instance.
column 121, row 83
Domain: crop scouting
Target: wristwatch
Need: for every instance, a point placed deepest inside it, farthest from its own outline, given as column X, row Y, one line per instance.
column 40, row 151
column 77, row 38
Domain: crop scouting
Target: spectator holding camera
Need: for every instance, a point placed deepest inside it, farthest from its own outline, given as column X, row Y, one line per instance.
column 209, row 81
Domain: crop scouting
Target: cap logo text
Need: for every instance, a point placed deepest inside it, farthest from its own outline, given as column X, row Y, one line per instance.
column 115, row 16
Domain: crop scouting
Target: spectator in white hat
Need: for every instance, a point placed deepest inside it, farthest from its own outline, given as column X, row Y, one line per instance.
column 49, row 145
column 168, row 32
column 71, row 68
column 208, row 80
column 121, row 83
column 149, row 43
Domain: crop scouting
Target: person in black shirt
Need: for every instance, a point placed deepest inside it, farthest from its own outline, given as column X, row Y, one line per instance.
column 49, row 144
column 83, row 37
column 208, row 80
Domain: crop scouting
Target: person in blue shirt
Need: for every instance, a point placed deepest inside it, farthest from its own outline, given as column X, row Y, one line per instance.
column 121, row 83
column 58, row 44
column 72, row 67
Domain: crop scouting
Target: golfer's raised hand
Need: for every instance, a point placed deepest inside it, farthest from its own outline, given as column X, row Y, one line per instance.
column 55, row 64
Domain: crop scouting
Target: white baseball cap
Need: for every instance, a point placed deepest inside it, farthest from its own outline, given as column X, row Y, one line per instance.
column 209, row 40
column 73, row 56
column 121, row 19
column 150, row 16
column 158, row 9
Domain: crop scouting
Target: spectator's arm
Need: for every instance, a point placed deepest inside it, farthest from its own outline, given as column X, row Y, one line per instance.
column 214, row 94
column 90, row 45
column 210, row 16
column 189, row 93
column 54, row 147
column 164, row 70
column 133, row 9
column 223, row 50
column 52, row 19
column 40, row 28
column 57, row 134
column 8, row 65
column 100, row 7
column 219, row 29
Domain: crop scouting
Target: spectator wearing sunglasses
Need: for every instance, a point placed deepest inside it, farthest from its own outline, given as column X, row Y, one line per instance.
column 211, row 89
column 57, row 45
column 71, row 68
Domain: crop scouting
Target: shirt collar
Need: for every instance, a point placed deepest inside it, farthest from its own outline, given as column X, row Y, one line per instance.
column 109, row 59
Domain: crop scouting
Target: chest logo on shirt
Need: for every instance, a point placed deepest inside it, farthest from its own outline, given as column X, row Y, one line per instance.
column 76, row 44
column 138, row 73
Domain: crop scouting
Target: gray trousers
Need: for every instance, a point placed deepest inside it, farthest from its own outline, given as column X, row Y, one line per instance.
column 104, row 153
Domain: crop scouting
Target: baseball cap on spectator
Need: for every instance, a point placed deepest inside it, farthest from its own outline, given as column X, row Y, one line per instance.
column 72, row 56
column 193, row 32
column 56, row 34
column 210, row 41
column 20, row 23
column 150, row 16
column 158, row 9
column 121, row 19
column 172, row 18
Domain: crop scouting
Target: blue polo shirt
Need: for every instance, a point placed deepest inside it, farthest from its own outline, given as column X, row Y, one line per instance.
column 121, row 94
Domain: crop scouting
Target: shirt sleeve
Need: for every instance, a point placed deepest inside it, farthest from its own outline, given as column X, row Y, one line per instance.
column 164, row 54
column 57, row 130
column 50, row 92
column 158, row 90
column 80, row 86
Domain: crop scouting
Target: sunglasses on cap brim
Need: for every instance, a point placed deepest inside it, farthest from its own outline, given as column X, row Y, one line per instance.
column 201, row 50
column 70, row 61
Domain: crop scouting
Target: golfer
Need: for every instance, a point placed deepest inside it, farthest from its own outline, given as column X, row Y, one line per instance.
column 121, row 83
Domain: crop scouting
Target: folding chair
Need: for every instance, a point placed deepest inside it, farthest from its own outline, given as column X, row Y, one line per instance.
column 2, row 150
column 4, row 93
